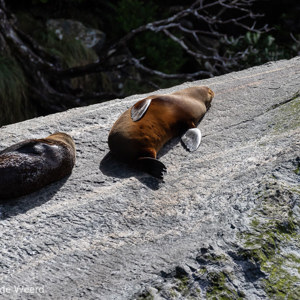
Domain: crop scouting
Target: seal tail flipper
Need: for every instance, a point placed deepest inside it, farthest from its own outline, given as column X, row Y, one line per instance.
column 152, row 166
column 139, row 109
column 192, row 139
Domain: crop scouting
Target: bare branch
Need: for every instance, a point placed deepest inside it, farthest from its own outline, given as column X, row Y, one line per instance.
column 188, row 50
column 294, row 39
column 173, row 28
column 198, row 30
column 141, row 67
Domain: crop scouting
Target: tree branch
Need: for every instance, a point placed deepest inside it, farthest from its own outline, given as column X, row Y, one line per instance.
column 143, row 68
column 189, row 28
column 173, row 23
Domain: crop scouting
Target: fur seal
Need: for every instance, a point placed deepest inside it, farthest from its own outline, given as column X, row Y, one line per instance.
column 30, row 165
column 142, row 130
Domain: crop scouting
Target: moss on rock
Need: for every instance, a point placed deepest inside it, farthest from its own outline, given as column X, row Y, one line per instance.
column 219, row 288
column 288, row 115
column 271, row 240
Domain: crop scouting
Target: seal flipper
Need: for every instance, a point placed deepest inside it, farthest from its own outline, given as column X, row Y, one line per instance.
column 191, row 139
column 152, row 166
column 139, row 109
column 27, row 146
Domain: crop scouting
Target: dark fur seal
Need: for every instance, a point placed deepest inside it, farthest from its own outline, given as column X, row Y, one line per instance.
column 141, row 131
column 29, row 165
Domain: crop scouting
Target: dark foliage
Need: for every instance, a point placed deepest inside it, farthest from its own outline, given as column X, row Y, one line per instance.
column 149, row 44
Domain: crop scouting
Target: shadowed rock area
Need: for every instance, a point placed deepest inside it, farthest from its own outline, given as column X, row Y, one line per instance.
column 225, row 223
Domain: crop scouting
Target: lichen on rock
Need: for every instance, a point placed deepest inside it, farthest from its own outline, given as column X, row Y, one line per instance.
column 273, row 238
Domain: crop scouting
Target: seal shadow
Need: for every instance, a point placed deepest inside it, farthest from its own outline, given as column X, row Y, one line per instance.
column 112, row 167
column 169, row 146
column 20, row 205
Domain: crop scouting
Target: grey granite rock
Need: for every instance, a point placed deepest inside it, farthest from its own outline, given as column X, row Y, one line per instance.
column 225, row 223
column 90, row 37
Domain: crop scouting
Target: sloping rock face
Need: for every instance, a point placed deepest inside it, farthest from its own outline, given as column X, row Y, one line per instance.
column 223, row 225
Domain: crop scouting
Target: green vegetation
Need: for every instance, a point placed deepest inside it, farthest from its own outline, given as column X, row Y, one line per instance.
column 288, row 115
column 218, row 283
column 72, row 53
column 261, row 48
column 16, row 104
column 273, row 229
column 144, row 12
column 218, row 288
column 160, row 53
column 13, row 92
column 297, row 170
column 202, row 271
column 145, row 296
column 154, row 49
column 183, row 284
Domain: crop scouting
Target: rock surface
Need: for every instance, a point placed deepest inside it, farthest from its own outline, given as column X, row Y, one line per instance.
column 225, row 223
column 90, row 37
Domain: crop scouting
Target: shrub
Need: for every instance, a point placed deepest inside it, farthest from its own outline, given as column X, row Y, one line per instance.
column 13, row 92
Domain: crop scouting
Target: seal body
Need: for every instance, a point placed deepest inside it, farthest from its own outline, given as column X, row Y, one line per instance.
column 29, row 165
column 158, row 119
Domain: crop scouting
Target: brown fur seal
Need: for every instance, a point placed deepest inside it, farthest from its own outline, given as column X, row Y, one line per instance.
column 29, row 165
column 141, row 131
